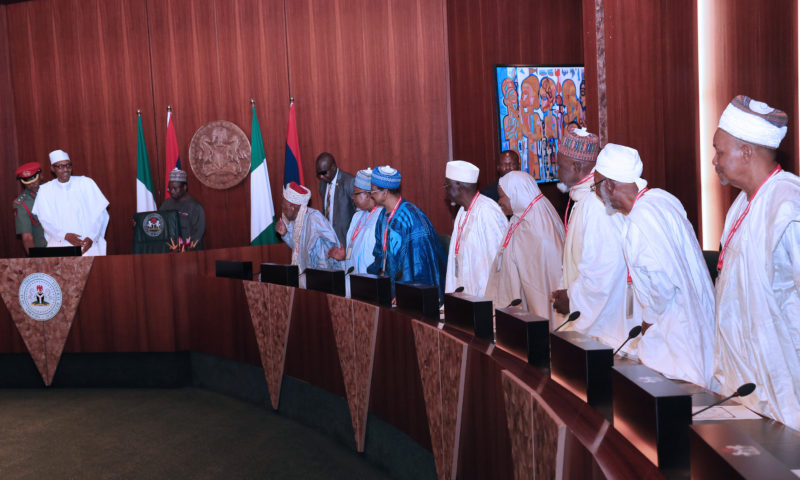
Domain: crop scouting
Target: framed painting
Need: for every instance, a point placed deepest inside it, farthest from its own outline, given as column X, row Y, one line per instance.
column 536, row 105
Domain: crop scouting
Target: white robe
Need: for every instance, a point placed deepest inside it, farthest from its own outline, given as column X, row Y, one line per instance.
column 595, row 275
column 758, row 301
column 530, row 267
column 480, row 239
column 673, row 287
column 77, row 206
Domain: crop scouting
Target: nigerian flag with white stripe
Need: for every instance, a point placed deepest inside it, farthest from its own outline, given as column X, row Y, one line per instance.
column 262, row 213
column 145, row 201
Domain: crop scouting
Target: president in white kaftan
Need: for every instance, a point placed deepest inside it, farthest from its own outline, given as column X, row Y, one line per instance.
column 528, row 262
column 594, row 272
column 477, row 231
column 667, row 271
column 758, row 287
column 72, row 209
column 306, row 231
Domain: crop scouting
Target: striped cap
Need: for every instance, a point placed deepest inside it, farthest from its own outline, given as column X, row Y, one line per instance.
column 580, row 145
column 386, row 177
column 754, row 122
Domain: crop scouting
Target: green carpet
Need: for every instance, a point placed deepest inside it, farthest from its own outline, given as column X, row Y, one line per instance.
column 169, row 433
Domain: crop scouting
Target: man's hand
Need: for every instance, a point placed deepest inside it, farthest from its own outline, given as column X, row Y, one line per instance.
column 645, row 326
column 337, row 253
column 560, row 301
column 27, row 242
column 74, row 239
column 86, row 244
column 280, row 227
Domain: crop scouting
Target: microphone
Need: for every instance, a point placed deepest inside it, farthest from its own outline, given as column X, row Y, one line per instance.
column 459, row 289
column 742, row 391
column 349, row 270
column 513, row 303
column 635, row 331
column 572, row 317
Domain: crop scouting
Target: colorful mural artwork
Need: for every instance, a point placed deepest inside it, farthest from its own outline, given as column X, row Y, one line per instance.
column 536, row 104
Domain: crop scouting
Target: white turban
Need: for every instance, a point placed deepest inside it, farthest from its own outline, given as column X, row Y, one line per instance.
column 620, row 163
column 58, row 156
column 297, row 194
column 754, row 122
column 462, row 171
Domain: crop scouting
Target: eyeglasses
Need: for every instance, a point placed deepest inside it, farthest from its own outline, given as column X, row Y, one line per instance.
column 62, row 166
column 365, row 192
column 322, row 173
column 373, row 192
column 594, row 185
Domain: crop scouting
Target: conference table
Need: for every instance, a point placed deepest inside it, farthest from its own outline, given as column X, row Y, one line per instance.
column 419, row 398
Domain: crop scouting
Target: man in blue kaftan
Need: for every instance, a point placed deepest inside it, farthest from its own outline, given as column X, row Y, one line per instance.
column 407, row 248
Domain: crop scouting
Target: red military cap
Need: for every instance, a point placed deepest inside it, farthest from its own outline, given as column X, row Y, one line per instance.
column 28, row 170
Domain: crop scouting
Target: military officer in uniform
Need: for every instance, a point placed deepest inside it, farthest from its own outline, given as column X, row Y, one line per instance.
column 26, row 223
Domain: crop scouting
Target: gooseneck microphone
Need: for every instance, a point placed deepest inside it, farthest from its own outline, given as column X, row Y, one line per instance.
column 742, row 391
column 515, row 302
column 635, row 331
column 572, row 317
column 349, row 270
column 458, row 290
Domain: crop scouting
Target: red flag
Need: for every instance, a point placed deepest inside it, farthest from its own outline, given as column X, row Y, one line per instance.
column 173, row 155
column 292, row 166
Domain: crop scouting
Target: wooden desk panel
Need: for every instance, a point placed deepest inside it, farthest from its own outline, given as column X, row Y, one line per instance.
column 166, row 303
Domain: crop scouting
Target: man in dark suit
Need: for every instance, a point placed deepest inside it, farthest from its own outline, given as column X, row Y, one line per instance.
column 507, row 161
column 336, row 189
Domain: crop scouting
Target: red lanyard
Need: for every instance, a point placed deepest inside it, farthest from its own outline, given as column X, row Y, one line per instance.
column 739, row 220
column 637, row 197
column 388, row 221
column 463, row 224
column 362, row 223
column 569, row 199
column 512, row 229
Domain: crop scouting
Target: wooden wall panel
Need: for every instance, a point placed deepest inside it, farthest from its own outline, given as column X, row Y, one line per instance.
column 652, row 91
column 483, row 33
column 252, row 64
column 368, row 78
column 79, row 71
column 9, row 161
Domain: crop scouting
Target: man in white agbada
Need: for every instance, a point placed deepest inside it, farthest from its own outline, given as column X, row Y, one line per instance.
column 361, row 234
column 306, row 231
column 528, row 261
column 594, row 280
column 72, row 209
column 477, row 231
column 758, row 287
column 669, row 276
